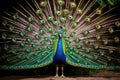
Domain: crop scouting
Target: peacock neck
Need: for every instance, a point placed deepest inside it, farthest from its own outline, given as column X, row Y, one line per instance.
column 59, row 45
column 59, row 57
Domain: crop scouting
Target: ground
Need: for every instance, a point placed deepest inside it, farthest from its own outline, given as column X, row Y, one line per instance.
column 107, row 75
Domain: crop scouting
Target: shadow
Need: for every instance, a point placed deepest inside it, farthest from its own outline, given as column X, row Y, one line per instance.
column 38, row 77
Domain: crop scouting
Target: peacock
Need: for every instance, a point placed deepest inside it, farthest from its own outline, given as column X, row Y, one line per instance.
column 80, row 33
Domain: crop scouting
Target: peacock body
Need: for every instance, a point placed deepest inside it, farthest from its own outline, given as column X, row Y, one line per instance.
column 59, row 57
column 78, row 33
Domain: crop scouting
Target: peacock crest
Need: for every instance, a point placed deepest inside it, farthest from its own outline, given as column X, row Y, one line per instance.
column 89, row 35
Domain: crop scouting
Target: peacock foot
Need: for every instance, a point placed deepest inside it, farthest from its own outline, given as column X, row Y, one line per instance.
column 62, row 76
column 56, row 75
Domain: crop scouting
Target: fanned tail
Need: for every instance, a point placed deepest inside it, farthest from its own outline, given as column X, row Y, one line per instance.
column 90, row 35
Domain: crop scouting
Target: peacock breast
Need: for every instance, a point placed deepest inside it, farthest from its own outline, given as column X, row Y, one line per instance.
column 59, row 57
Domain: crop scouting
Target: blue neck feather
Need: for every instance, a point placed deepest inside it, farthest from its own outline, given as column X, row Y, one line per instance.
column 59, row 57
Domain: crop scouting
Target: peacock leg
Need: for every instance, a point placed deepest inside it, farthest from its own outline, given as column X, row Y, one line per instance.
column 56, row 71
column 62, row 68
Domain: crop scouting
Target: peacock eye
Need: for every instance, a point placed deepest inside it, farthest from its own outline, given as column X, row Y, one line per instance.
column 72, row 34
column 98, row 37
column 29, row 39
column 11, row 28
column 79, row 11
column 42, row 31
column 43, row 22
column 4, row 36
column 29, row 28
column 42, row 42
column 72, row 5
column 22, row 33
column 28, row 50
column 87, row 19
column 15, row 16
column 40, row 48
column 62, row 19
column 67, row 39
column 85, row 33
column 96, row 46
column 51, row 43
column 43, row 4
column 74, row 24
column 78, row 46
column 65, row 12
column 116, row 39
column 70, row 17
column 14, row 40
column 105, row 42
column 34, row 45
column 56, row 23
column 87, row 50
column 22, row 44
column 98, row 26
column 50, row 18
column 86, row 41
column 111, row 30
column 50, row 29
column 30, row 19
column 39, row 11
column 117, row 23
column 37, row 36
column 77, row 40
column 46, row 38
column 61, row 2
column 98, row 11
column 4, row 23
column 59, row 13
column 64, row 28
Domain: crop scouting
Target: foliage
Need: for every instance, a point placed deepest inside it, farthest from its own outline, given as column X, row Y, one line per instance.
column 109, row 3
